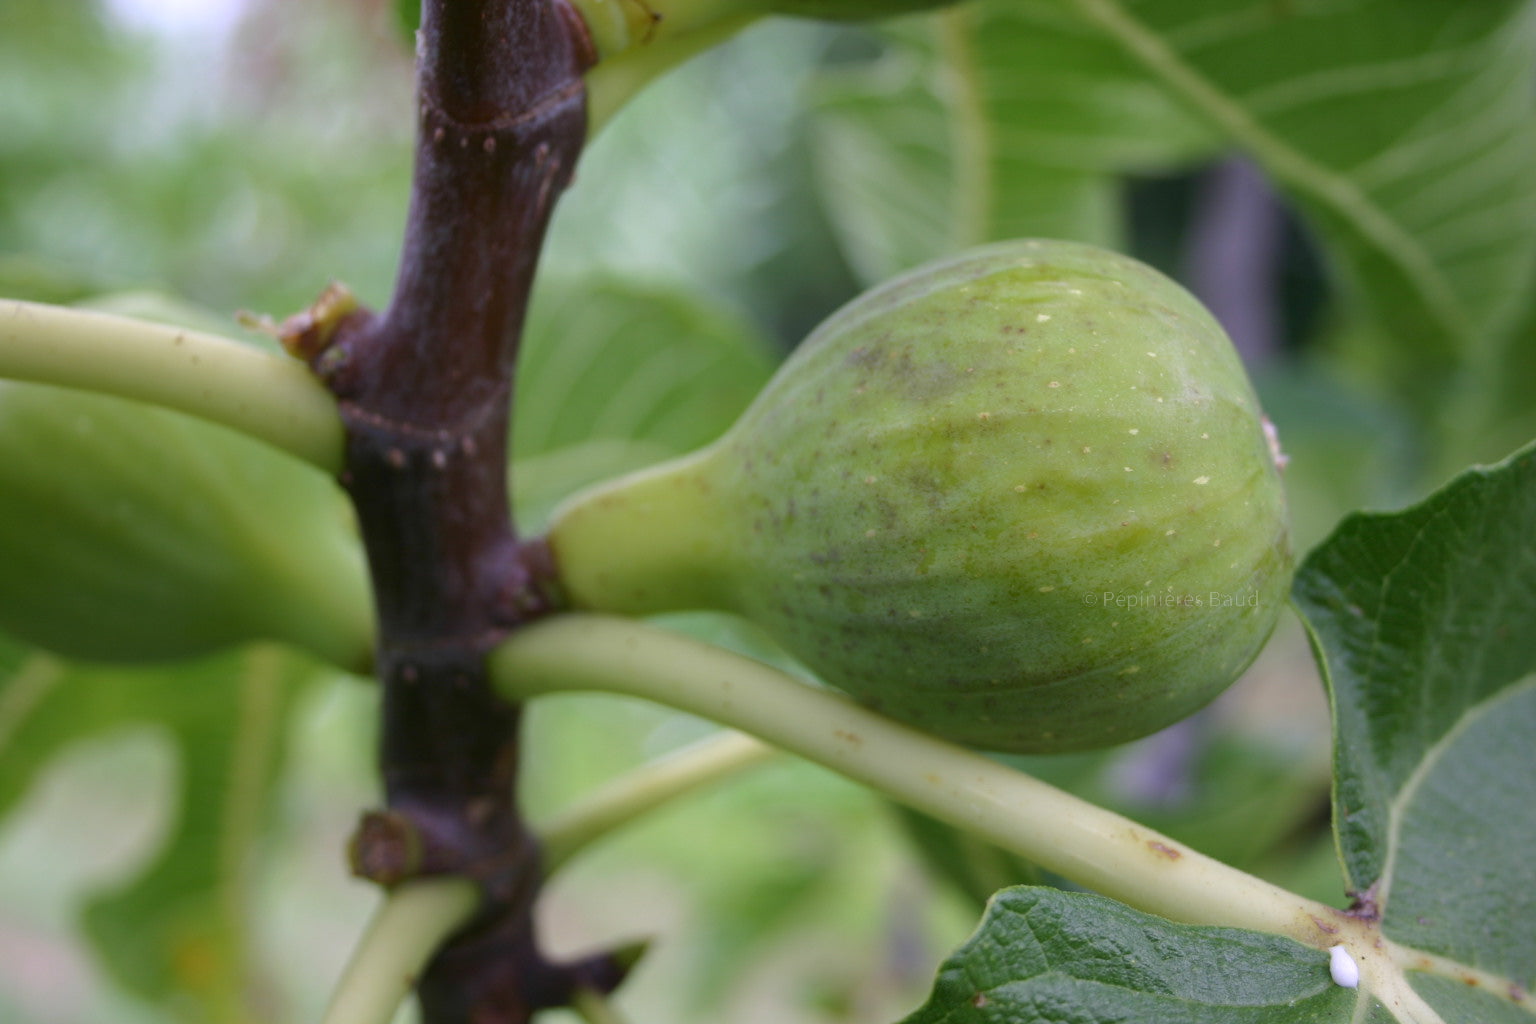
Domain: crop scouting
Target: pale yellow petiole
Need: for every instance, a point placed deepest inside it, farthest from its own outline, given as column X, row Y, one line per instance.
column 263, row 395
column 644, row 789
column 1079, row 840
column 408, row 927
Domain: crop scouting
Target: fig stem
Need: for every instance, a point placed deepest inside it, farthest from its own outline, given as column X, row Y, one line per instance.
column 406, row 929
column 1062, row 833
column 620, row 27
column 644, row 789
column 617, row 79
column 595, row 1008
column 416, row 917
column 425, row 390
column 261, row 394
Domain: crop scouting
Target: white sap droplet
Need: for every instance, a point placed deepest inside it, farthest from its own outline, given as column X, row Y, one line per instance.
column 1346, row 973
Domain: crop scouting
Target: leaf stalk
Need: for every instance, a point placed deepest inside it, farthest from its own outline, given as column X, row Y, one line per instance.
column 261, row 394
column 1062, row 833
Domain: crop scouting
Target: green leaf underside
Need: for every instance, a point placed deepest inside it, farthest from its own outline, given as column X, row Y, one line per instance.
column 1404, row 128
column 1043, row 956
column 993, row 120
column 1461, row 1003
column 176, row 932
column 1422, row 624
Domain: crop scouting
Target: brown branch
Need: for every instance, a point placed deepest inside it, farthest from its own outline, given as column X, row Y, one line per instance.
column 425, row 390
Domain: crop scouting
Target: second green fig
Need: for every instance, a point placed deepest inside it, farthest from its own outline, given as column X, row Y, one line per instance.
column 130, row 533
column 1022, row 498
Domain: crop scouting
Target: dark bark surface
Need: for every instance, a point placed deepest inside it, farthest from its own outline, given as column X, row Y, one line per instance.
column 425, row 390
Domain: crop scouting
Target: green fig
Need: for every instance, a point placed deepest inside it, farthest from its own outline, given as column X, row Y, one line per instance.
column 1022, row 498
column 129, row 533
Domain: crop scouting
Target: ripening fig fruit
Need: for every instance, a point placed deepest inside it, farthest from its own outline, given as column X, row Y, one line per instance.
column 129, row 533
column 1022, row 498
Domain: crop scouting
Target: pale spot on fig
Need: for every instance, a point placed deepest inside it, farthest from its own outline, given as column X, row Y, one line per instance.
column 1201, row 481
column 1272, row 436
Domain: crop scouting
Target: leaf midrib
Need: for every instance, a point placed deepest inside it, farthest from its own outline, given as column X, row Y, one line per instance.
column 28, row 686
column 971, row 131
column 1396, row 812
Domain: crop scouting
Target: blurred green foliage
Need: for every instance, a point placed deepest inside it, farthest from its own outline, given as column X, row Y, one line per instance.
column 719, row 217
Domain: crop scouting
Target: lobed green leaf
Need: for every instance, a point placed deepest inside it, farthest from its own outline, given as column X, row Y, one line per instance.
column 1421, row 621
column 1047, row 956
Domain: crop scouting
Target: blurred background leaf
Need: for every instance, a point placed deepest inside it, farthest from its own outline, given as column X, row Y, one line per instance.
column 615, row 375
column 993, row 120
column 176, row 930
column 245, row 159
